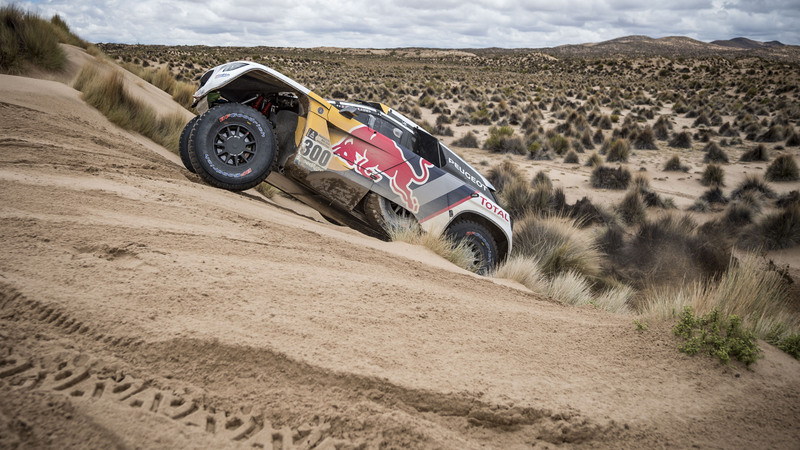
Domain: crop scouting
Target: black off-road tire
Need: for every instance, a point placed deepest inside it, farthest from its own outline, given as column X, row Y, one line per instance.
column 232, row 147
column 385, row 215
column 480, row 242
column 183, row 144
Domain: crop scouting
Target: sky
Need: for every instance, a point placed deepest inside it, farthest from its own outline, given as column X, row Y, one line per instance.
column 417, row 23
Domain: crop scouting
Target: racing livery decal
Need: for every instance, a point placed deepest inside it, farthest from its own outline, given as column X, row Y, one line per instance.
column 380, row 158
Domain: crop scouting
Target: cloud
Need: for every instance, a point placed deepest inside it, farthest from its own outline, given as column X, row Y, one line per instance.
column 421, row 23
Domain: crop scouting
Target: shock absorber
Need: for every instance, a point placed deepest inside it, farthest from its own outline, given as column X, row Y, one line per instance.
column 261, row 104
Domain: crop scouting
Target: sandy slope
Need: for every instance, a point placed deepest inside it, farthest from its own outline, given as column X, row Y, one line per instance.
column 142, row 308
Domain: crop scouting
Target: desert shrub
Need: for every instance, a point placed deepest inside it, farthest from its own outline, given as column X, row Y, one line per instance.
column 738, row 214
column 65, row 35
column 442, row 130
column 520, row 200
column 619, row 151
column 468, row 140
column 757, row 153
column 645, row 140
column 727, row 130
column 107, row 93
column 773, row 134
column 702, row 119
column 681, row 140
column 714, row 154
column 572, row 158
column 641, row 183
column 793, row 139
column 699, row 205
column 25, row 38
column 713, row 175
column 665, row 250
column 457, row 253
column 745, row 289
column 598, row 137
column 716, row 336
column 502, row 140
column 558, row 144
column 558, row 244
column 524, row 270
column 714, row 195
column 661, row 130
column 787, row 199
column 586, row 139
column 780, row 337
column 594, row 161
column 756, row 295
column 604, row 177
column 616, row 299
column 631, row 209
column 163, row 79
column 753, row 183
column 503, row 175
column 783, row 168
column 674, row 164
column 776, row 231
column 541, row 178
column 571, row 288
column 182, row 93
column 605, row 122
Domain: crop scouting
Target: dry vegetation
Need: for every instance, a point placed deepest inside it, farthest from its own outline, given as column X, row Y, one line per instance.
column 602, row 115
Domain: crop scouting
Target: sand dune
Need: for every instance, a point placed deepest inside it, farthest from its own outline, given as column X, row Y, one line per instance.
column 142, row 308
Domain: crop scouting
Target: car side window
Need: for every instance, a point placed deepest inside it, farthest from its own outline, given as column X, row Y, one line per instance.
column 429, row 149
column 403, row 137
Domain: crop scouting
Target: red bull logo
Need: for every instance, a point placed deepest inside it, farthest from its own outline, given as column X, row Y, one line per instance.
column 376, row 156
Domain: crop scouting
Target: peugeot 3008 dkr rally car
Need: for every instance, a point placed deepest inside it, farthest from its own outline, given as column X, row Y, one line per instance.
column 359, row 164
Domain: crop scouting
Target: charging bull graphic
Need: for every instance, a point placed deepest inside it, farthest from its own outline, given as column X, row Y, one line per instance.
column 382, row 157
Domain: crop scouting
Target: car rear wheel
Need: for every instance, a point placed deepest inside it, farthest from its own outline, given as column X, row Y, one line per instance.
column 386, row 215
column 232, row 147
column 480, row 243
column 183, row 144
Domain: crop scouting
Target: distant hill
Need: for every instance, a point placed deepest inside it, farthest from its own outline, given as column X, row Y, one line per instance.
column 676, row 46
column 741, row 42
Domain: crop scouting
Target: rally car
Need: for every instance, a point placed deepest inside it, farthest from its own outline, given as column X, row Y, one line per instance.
column 360, row 164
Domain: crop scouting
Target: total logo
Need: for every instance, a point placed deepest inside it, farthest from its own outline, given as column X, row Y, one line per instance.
column 496, row 209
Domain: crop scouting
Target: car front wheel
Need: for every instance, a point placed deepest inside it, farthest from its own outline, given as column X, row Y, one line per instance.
column 480, row 243
column 232, row 147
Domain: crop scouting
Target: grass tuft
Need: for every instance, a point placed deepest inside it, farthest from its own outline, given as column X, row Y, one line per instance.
column 745, row 290
column 558, row 244
column 674, row 165
column 524, row 270
column 604, row 177
column 619, row 151
column 776, row 231
column 784, row 168
column 502, row 140
column 714, row 154
column 681, row 140
column 757, row 153
column 26, row 39
column 571, row 288
column 755, row 184
column 468, row 140
column 631, row 209
column 714, row 175
column 410, row 232
column 106, row 92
